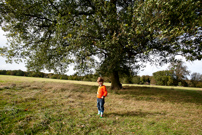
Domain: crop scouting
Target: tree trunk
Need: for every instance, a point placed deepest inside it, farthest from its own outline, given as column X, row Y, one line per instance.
column 115, row 82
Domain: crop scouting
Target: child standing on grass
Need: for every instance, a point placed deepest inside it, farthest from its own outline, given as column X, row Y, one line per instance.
column 101, row 94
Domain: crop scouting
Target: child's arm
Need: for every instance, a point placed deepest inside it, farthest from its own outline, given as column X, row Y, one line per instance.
column 105, row 92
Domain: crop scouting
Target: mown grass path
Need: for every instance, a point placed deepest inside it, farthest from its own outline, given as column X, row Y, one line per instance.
column 48, row 106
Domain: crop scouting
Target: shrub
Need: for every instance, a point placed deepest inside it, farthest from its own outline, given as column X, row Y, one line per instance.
column 55, row 76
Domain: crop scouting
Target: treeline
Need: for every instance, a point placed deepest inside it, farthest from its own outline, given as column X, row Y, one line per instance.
column 89, row 77
column 165, row 78
column 169, row 78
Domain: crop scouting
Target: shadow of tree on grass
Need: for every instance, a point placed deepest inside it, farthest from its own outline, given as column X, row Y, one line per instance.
column 151, row 94
column 133, row 114
column 163, row 95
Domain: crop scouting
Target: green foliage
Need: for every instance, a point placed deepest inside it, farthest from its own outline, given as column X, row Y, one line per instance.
column 3, row 72
column 199, row 85
column 126, row 79
column 163, row 77
column 179, row 71
column 145, row 79
column 196, row 80
column 170, row 81
column 176, row 75
column 106, row 79
column 136, row 79
column 52, row 34
column 20, row 73
column 88, row 77
column 64, row 77
column 153, row 81
column 55, row 76
column 12, row 72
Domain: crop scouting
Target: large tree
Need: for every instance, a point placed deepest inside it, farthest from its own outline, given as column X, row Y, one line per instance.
column 111, row 36
column 179, row 71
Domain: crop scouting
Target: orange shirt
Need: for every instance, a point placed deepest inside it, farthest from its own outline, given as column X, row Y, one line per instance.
column 102, row 91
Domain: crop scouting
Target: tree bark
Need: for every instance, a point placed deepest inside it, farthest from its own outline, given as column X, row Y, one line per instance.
column 115, row 82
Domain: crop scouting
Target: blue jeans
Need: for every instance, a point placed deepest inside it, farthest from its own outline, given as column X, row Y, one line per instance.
column 100, row 104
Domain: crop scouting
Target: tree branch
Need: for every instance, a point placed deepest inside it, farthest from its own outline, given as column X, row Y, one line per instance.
column 54, row 7
column 39, row 17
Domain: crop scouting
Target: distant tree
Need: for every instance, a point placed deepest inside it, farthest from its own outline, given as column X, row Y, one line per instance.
column 8, row 72
column 170, row 81
column 179, row 71
column 52, row 34
column 29, row 74
column 70, row 77
column 50, row 74
column 126, row 79
column 106, row 79
column 19, row 73
column 40, row 74
column 163, row 77
column 63, row 77
column 136, row 79
column 14, row 72
column 3, row 72
column 153, row 81
column 55, row 76
column 145, row 79
column 196, row 78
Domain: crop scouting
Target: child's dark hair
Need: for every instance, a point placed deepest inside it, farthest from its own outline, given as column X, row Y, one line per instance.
column 100, row 79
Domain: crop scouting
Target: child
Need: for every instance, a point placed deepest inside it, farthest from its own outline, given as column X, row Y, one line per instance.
column 101, row 94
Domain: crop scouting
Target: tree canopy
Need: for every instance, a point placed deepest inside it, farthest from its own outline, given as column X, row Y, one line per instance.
column 179, row 71
column 111, row 36
column 175, row 75
column 196, row 79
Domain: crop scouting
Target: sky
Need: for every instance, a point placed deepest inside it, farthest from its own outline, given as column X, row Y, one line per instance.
column 195, row 66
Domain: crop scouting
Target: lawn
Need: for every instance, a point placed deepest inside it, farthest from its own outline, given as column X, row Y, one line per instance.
column 48, row 106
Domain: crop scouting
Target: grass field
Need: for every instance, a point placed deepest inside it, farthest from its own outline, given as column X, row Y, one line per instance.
column 48, row 106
